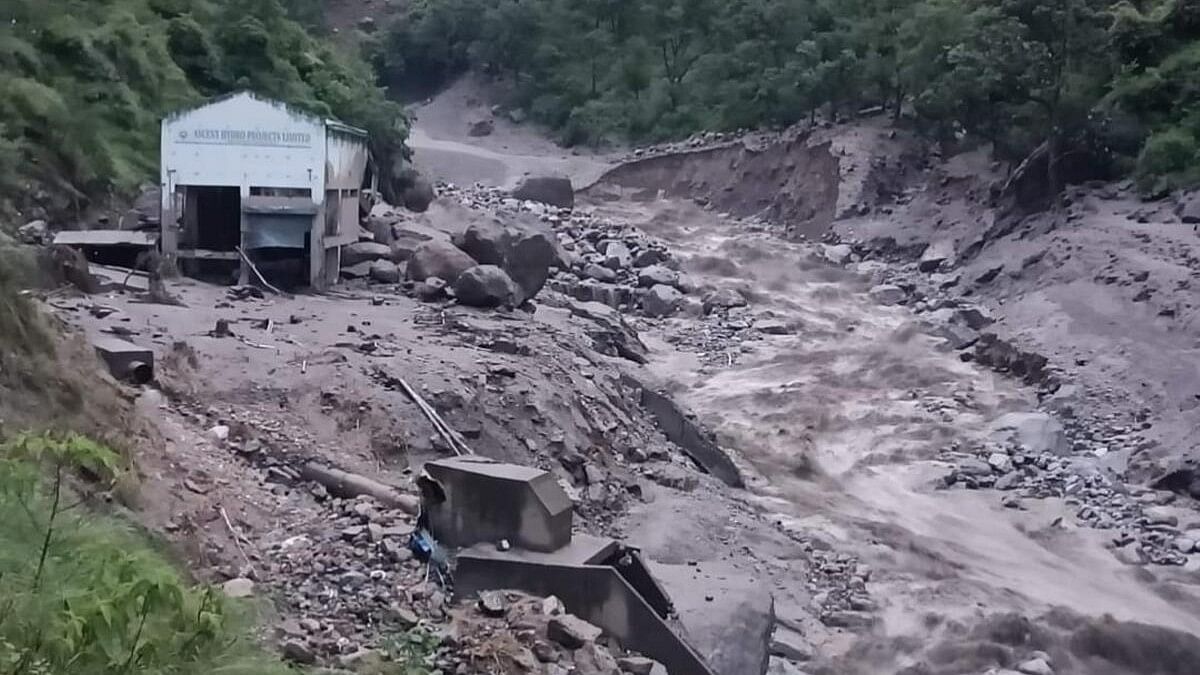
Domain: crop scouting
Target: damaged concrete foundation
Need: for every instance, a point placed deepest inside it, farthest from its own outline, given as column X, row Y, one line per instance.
column 484, row 506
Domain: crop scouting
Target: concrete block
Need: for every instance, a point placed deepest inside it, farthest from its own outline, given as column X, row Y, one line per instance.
column 472, row 500
column 125, row 360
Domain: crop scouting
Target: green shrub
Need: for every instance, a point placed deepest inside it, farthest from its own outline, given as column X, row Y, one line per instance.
column 81, row 594
column 1167, row 160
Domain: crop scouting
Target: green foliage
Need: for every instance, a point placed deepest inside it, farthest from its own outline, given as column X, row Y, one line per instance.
column 1015, row 72
column 84, row 83
column 84, row 595
column 411, row 653
column 1168, row 159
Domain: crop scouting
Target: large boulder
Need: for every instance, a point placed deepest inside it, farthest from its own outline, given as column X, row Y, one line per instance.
column 655, row 275
column 488, row 242
column 485, row 286
column 418, row 195
column 551, row 190
column 1188, row 208
column 438, row 258
column 483, row 127
column 526, row 251
column 529, row 263
column 407, row 237
column 1036, row 432
column 661, row 301
column 364, row 251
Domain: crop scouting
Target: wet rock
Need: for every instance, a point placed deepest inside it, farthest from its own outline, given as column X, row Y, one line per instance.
column 773, row 327
column 554, row 191
column 1035, row 432
column 887, row 294
column 974, row 318
column 675, row 477
column 385, row 272
column 848, row 619
column 571, row 632
column 360, row 271
column 1157, row 515
column 544, row 652
column 1188, row 208
column 974, row 467
column 726, row 298
column 661, row 301
column 364, row 251
column 485, row 286
column 837, row 254
column 440, row 259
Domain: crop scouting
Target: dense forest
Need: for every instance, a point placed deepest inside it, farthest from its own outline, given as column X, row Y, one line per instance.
column 1116, row 82
column 83, row 84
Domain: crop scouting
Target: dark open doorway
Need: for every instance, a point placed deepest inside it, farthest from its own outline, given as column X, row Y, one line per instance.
column 218, row 218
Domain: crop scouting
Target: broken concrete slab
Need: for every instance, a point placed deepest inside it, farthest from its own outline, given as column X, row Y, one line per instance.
column 728, row 616
column 471, row 499
column 139, row 238
column 125, row 360
column 588, row 578
column 683, row 431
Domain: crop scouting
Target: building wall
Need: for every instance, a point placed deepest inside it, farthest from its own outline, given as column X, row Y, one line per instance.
column 243, row 141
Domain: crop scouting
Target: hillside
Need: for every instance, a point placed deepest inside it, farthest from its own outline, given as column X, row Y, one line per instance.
column 83, row 85
column 1102, row 88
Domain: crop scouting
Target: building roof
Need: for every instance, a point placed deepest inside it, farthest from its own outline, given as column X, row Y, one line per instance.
column 330, row 123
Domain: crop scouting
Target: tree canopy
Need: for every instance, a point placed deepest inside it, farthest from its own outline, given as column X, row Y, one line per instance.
column 1116, row 79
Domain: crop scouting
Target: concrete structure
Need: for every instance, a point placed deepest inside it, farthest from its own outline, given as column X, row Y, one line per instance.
column 471, row 500
column 125, row 360
column 244, row 171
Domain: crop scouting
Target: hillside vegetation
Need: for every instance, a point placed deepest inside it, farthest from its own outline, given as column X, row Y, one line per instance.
column 1115, row 81
column 83, row 84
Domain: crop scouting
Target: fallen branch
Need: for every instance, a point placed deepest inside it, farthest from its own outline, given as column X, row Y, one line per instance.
column 349, row 485
column 456, row 442
column 253, row 268
column 237, row 536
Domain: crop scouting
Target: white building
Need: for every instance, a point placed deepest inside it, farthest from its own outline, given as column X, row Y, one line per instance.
column 281, row 184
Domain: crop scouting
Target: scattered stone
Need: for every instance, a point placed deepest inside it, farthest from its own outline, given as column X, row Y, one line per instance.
column 790, row 645
column 617, row 256
column 219, row 433
column 837, row 254
column 571, row 632
column 492, row 603
column 238, row 588
column 481, row 128
column 1001, row 462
